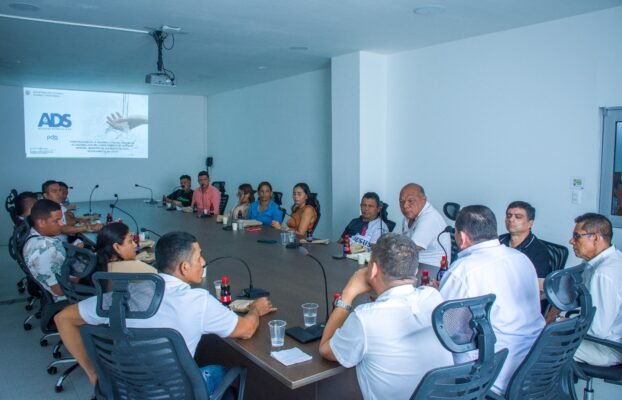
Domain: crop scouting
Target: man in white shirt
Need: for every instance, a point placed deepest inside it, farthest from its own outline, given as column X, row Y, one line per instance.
column 390, row 341
column 52, row 191
column 192, row 312
column 422, row 223
column 485, row 266
column 591, row 241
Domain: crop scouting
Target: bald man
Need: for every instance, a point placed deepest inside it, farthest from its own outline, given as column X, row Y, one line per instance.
column 422, row 223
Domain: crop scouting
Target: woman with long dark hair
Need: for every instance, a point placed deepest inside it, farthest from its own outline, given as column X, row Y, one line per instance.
column 305, row 210
column 115, row 244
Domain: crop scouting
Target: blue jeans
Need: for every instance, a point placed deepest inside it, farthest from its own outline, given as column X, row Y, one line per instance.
column 213, row 375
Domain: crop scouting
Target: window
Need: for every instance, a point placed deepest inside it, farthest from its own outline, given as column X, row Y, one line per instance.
column 611, row 166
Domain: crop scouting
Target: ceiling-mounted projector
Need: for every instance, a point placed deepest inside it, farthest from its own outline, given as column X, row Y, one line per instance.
column 163, row 77
column 160, row 79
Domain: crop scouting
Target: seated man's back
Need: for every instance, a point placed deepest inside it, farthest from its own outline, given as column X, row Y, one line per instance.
column 399, row 345
column 485, row 266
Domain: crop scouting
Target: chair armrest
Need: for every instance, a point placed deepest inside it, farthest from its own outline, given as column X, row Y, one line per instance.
column 609, row 343
column 227, row 380
column 494, row 396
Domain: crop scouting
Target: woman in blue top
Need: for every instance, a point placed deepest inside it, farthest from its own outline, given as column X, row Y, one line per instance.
column 264, row 209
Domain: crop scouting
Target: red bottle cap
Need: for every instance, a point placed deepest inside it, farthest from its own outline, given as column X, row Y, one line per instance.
column 225, row 280
column 426, row 272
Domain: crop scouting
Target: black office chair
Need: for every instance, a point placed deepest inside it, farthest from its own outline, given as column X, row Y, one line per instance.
column 21, row 232
column 220, row 185
column 316, row 203
column 143, row 363
column 558, row 255
column 546, row 371
column 462, row 326
column 385, row 216
column 451, row 212
column 47, row 307
column 587, row 372
column 9, row 205
column 224, row 199
column 79, row 263
column 277, row 197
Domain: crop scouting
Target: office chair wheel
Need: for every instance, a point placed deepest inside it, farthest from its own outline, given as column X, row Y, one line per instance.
column 28, row 307
column 43, row 342
column 52, row 371
column 57, row 354
column 27, row 327
column 58, row 389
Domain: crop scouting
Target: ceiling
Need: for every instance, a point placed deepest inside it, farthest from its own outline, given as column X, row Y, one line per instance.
column 229, row 44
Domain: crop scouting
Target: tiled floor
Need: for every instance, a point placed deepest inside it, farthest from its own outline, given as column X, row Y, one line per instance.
column 23, row 362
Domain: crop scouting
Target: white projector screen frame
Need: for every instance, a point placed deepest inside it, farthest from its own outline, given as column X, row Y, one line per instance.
column 78, row 124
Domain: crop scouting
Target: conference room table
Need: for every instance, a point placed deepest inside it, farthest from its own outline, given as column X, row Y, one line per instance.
column 291, row 278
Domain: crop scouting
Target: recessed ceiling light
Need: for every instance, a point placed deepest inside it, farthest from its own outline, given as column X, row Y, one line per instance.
column 261, row 67
column 433, row 9
column 299, row 48
column 23, row 7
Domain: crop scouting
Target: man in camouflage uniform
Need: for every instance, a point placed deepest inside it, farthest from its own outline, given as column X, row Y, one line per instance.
column 43, row 251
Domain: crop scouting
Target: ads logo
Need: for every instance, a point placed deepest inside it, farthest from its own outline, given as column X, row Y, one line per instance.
column 54, row 120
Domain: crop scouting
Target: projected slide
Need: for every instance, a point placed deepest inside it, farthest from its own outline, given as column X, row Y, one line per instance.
column 74, row 124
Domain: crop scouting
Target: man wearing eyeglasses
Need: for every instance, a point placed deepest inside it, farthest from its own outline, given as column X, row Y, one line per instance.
column 591, row 241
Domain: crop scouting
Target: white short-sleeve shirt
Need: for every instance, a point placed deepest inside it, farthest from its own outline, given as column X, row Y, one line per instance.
column 391, row 342
column 375, row 229
column 603, row 278
column 424, row 231
column 191, row 312
column 489, row 267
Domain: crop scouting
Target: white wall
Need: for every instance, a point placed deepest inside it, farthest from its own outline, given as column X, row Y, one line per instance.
column 177, row 143
column 507, row 116
column 277, row 131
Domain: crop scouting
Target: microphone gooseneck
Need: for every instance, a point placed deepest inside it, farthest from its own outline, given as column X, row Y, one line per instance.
column 448, row 229
column 91, row 200
column 113, row 206
column 250, row 292
column 305, row 252
column 116, row 200
column 151, row 200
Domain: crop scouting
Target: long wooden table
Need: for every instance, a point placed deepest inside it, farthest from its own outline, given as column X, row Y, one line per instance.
column 292, row 279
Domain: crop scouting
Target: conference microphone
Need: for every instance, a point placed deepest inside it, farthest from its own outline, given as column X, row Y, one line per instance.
column 116, row 200
column 113, row 206
column 143, row 230
column 151, row 200
column 250, row 292
column 448, row 229
column 90, row 213
column 313, row 332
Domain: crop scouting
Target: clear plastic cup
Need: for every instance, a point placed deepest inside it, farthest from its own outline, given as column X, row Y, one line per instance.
column 217, row 286
column 277, row 332
column 309, row 312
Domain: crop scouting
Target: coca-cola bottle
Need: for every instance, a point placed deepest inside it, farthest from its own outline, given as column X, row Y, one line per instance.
column 443, row 269
column 225, row 291
column 425, row 278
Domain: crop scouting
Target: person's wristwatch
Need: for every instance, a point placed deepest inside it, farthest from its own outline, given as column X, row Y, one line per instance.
column 340, row 303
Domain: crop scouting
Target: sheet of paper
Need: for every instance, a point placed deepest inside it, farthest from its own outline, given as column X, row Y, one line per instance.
column 290, row 356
